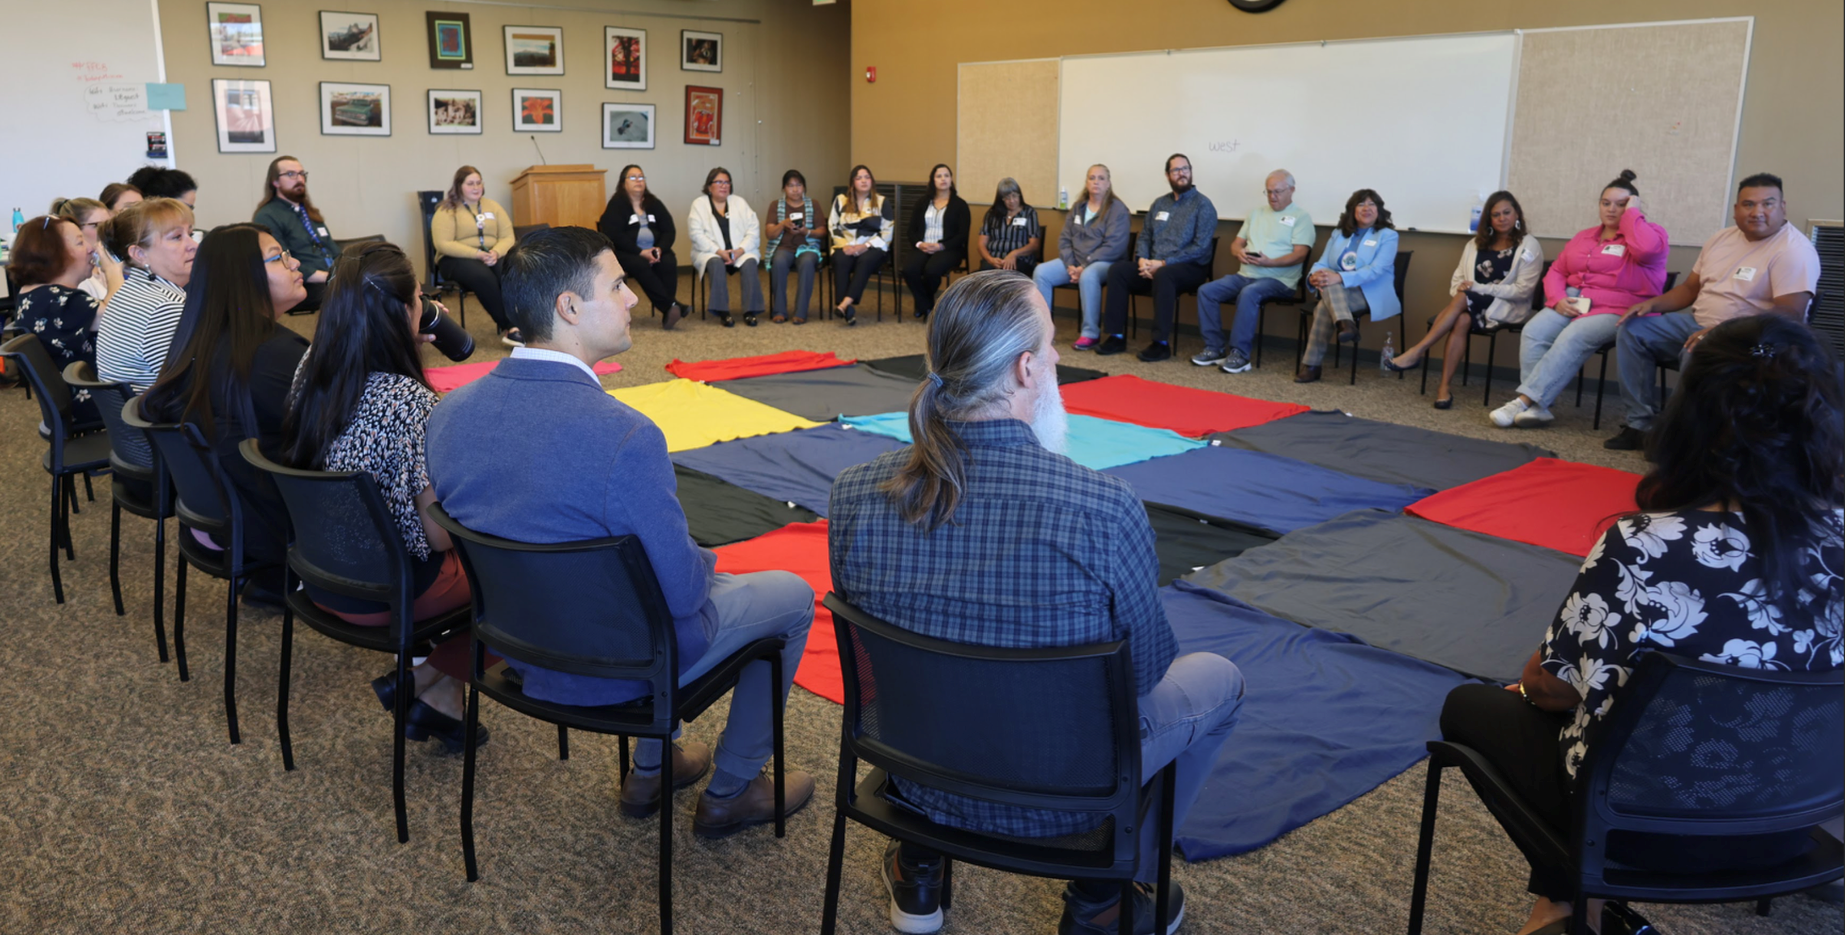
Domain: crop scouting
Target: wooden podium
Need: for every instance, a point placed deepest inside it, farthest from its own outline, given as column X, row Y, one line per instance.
column 560, row 196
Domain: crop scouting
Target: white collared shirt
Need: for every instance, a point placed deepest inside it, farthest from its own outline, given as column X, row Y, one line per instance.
column 557, row 357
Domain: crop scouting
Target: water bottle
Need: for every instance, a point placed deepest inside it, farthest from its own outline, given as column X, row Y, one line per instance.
column 1384, row 355
column 19, row 220
column 1063, row 199
column 1473, row 225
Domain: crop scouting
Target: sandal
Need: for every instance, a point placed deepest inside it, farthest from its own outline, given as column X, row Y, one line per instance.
column 779, row 318
column 798, row 320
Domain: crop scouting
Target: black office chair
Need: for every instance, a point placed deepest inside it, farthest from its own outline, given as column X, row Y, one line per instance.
column 434, row 283
column 924, row 709
column 593, row 609
column 346, row 541
column 1134, row 300
column 139, row 485
column 1781, row 739
column 68, row 454
column 1298, row 300
column 1401, row 273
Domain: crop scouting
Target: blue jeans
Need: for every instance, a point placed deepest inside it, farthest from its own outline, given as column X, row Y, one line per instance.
column 1185, row 719
column 1642, row 343
column 1247, row 292
column 749, row 608
column 1553, row 349
column 1051, row 274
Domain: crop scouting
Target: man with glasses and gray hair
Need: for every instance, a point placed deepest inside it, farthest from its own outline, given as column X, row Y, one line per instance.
column 289, row 214
column 983, row 533
column 1272, row 247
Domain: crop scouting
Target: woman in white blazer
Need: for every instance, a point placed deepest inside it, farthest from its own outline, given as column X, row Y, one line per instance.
column 1492, row 286
column 726, row 238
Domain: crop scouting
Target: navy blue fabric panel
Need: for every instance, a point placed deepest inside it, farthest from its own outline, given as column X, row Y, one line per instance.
column 794, row 467
column 1475, row 603
column 1325, row 719
column 1258, row 489
column 1383, row 451
column 825, row 395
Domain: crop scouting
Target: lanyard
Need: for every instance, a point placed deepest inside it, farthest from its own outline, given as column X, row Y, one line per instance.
column 480, row 226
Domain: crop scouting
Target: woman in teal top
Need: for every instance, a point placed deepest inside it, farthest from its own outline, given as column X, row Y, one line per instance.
column 1356, row 273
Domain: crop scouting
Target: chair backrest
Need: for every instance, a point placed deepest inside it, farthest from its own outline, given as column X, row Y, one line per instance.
column 1402, row 272
column 48, row 387
column 427, row 202
column 1699, row 748
column 1671, row 280
column 129, row 444
column 368, row 238
column 520, row 231
column 591, row 608
column 206, row 500
column 343, row 538
column 1051, row 728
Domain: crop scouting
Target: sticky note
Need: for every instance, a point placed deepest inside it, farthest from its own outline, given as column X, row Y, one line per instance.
column 166, row 96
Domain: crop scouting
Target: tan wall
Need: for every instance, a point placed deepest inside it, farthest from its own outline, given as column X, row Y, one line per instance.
column 781, row 111
column 1792, row 115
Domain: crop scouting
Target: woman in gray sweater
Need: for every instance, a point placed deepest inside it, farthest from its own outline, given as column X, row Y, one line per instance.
column 1095, row 235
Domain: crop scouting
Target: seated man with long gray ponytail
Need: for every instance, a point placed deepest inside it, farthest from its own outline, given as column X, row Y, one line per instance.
column 982, row 533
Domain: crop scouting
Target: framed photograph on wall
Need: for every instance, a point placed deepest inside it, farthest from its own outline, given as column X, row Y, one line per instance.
column 246, row 121
column 534, row 50
column 538, row 111
column 451, row 40
column 454, row 111
column 355, row 109
column 624, row 58
column 704, row 115
column 350, row 37
column 701, row 51
column 627, row 126
column 236, row 34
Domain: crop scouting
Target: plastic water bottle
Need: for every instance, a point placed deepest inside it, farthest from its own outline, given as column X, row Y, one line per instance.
column 19, row 220
column 1063, row 198
column 1388, row 352
column 1479, row 207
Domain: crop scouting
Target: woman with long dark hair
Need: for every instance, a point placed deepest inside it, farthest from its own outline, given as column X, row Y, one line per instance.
column 938, row 230
column 471, row 233
column 1010, row 234
column 641, row 229
column 361, row 403
column 860, row 224
column 794, row 245
column 229, row 372
column 1356, row 273
column 1735, row 558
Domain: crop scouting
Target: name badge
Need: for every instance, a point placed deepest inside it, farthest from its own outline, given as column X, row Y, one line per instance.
column 322, row 230
column 1527, row 256
column 650, row 219
column 1745, row 273
column 1370, row 243
column 1018, row 222
column 1163, row 215
column 795, row 216
column 486, row 215
column 1614, row 249
column 1287, row 220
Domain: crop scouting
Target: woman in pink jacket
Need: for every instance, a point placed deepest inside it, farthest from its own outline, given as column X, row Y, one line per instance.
column 1600, row 272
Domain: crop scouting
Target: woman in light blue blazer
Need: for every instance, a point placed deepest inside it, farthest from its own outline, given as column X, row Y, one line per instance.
column 1356, row 273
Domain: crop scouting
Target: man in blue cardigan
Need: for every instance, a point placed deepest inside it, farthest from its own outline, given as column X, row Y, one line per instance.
column 582, row 465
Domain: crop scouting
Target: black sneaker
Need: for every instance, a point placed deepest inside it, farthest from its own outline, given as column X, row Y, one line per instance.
column 1157, row 351
column 1630, row 439
column 915, row 891
column 1082, row 917
column 1113, row 344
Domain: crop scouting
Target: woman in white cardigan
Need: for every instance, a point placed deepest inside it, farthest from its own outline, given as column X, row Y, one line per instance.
column 726, row 238
column 1497, row 277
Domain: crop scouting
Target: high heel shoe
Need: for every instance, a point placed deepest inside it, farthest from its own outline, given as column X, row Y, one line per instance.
column 1444, row 403
column 1390, row 364
column 423, row 722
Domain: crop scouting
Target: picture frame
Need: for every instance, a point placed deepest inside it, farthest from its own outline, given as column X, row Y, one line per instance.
column 624, row 58
column 701, row 51
column 451, row 39
column 349, row 37
column 454, row 112
column 236, row 34
column 245, row 115
column 538, row 110
column 704, row 116
column 534, row 50
column 348, row 109
column 627, row 126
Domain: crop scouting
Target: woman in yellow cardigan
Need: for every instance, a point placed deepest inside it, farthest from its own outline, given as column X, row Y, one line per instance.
column 471, row 233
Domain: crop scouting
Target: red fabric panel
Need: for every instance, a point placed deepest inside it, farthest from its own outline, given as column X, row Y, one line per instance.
column 1556, row 504
column 733, row 368
column 799, row 548
column 1128, row 398
column 448, row 379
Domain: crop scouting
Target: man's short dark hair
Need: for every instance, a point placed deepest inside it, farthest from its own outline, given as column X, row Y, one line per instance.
column 544, row 265
column 160, row 182
column 1169, row 159
column 1762, row 180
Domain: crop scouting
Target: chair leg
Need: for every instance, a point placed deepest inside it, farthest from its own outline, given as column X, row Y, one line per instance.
column 115, row 555
column 1579, row 916
column 1425, row 845
column 623, row 738
column 230, row 659
column 563, row 744
column 775, row 717
column 401, row 718
column 835, row 855
column 1601, row 388
column 1261, row 320
column 57, row 514
column 467, row 786
column 1354, row 380
column 666, row 839
column 179, row 617
column 1425, row 373
column 281, row 694
column 1125, row 921
column 1492, row 346
column 70, row 507
column 1162, row 910
column 89, row 491
column 160, row 584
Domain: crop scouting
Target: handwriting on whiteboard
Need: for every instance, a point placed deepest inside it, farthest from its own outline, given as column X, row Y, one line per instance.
column 116, row 101
column 1226, row 146
column 92, row 72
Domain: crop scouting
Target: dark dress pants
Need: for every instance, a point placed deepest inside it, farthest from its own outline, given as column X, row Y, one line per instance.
column 658, row 281
column 480, row 279
column 784, row 261
column 1168, row 282
column 923, row 273
column 851, row 273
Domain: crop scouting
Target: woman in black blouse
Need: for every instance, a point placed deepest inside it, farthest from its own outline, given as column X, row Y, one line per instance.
column 1735, row 558
column 641, row 229
column 50, row 262
column 937, row 235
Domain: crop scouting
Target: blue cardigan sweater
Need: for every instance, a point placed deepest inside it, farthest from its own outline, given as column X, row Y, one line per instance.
column 1377, row 267
column 536, row 451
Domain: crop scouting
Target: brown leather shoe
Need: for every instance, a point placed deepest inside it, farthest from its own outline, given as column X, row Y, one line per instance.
column 1348, row 332
column 672, row 317
column 1308, row 375
column 755, row 805
column 640, row 795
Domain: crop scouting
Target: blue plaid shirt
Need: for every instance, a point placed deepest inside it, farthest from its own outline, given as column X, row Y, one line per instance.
column 1041, row 552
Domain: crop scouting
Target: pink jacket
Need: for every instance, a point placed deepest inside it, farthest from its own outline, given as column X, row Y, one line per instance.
column 1612, row 273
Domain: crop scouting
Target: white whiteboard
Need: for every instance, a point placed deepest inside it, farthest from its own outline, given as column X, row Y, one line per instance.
column 1424, row 121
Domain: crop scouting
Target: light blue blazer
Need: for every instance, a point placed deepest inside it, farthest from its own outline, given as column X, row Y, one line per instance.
column 1376, row 272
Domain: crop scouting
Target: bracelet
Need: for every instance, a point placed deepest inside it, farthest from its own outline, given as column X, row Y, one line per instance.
column 1524, row 694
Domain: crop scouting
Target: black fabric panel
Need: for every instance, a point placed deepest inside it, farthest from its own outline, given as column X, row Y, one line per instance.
column 914, row 367
column 1383, row 451
column 1186, row 541
column 719, row 512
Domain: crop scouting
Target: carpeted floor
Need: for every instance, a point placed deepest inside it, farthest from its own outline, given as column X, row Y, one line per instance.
column 123, row 809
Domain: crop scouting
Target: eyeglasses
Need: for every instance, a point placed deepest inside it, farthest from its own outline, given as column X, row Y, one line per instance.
column 282, row 257
column 637, row 178
column 1277, row 191
column 292, row 175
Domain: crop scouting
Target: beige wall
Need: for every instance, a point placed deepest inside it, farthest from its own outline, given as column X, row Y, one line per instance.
column 1792, row 114
column 781, row 111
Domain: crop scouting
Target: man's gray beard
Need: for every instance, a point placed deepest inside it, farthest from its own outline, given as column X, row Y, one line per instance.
column 1048, row 420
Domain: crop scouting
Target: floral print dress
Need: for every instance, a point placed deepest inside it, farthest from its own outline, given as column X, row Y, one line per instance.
column 1690, row 583
column 63, row 318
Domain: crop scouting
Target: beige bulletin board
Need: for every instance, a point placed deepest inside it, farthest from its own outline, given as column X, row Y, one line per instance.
column 1662, row 99
column 1006, row 126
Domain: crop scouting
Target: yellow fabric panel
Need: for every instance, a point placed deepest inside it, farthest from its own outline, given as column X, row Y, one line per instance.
column 694, row 414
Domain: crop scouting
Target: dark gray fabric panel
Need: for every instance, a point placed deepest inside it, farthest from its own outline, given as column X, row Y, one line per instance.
column 824, row 395
column 1382, row 451
column 1474, row 603
column 915, row 367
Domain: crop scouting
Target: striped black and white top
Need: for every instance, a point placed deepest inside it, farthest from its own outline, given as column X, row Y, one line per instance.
column 1005, row 235
column 137, row 328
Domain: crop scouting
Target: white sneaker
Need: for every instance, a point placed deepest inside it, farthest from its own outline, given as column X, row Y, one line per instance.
column 1507, row 415
column 1534, row 415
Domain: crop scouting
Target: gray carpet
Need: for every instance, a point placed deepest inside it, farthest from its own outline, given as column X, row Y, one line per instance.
column 124, row 809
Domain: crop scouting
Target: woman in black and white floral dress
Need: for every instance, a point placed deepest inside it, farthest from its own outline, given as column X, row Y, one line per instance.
column 1735, row 559
column 50, row 261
